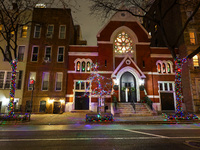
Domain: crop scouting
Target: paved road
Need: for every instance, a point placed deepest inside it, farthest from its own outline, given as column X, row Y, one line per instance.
column 99, row 137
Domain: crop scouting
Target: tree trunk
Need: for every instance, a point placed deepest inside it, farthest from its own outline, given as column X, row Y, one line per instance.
column 178, row 84
column 13, row 64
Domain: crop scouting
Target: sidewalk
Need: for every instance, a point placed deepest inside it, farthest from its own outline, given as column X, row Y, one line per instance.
column 79, row 118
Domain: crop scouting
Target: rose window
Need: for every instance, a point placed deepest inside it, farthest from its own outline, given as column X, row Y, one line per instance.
column 123, row 43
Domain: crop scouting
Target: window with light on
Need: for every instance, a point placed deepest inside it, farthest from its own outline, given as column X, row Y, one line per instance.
column 123, row 43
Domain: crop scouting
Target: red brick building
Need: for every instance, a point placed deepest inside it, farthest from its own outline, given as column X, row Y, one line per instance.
column 124, row 54
column 52, row 31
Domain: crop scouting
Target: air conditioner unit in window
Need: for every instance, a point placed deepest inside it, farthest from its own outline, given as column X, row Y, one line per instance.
column 46, row 59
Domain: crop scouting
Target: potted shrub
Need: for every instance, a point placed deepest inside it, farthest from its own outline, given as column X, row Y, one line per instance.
column 141, row 87
column 115, row 87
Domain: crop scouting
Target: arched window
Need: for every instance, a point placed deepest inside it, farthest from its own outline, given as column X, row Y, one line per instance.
column 123, row 43
column 88, row 66
column 78, row 66
column 164, row 68
column 168, row 67
column 83, row 66
column 159, row 68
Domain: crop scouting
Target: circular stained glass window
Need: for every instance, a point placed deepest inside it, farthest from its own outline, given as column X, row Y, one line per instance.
column 123, row 43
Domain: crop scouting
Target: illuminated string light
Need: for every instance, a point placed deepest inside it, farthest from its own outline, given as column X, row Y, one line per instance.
column 12, row 87
column 178, row 88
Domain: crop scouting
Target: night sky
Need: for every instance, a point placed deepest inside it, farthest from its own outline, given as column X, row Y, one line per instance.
column 90, row 25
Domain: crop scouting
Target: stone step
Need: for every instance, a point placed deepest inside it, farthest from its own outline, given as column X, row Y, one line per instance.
column 126, row 109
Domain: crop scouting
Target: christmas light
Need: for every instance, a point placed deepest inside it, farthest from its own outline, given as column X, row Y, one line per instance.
column 12, row 87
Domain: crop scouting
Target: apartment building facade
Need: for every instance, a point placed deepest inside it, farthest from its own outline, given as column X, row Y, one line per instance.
column 52, row 32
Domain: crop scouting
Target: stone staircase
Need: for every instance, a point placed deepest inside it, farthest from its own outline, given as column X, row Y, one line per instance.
column 126, row 110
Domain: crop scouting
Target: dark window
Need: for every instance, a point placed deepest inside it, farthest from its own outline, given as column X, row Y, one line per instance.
column 143, row 63
column 170, row 86
column 88, row 85
column 37, row 31
column 161, row 86
column 35, row 54
column 8, row 80
column 42, row 106
column 19, row 80
column 28, row 106
column 166, row 87
column 45, row 83
column 59, row 77
column 21, row 51
column 60, row 54
column 7, row 54
column 77, row 85
column 1, row 79
column 48, row 53
column 82, row 85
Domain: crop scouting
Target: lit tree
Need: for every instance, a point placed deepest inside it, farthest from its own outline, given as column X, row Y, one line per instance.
column 140, row 8
column 14, row 15
column 101, row 86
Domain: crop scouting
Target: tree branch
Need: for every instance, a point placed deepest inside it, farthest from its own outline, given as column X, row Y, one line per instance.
column 186, row 23
column 190, row 56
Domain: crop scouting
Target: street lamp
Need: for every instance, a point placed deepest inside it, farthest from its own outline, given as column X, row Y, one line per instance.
column 32, row 82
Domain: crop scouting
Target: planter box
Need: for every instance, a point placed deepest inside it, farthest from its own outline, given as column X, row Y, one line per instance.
column 104, row 117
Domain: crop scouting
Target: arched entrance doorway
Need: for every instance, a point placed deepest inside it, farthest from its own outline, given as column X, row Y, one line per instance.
column 128, row 88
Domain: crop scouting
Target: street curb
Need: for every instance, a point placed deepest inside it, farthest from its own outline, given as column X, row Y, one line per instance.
column 109, row 122
column 157, row 122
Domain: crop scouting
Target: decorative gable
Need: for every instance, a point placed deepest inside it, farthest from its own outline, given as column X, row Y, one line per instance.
column 128, row 62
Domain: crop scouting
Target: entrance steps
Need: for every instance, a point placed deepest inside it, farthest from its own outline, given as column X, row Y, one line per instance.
column 127, row 110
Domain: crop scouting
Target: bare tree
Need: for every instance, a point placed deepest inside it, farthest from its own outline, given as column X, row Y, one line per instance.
column 14, row 15
column 141, row 8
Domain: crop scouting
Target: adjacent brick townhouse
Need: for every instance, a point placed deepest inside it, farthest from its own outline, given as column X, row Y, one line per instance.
column 52, row 31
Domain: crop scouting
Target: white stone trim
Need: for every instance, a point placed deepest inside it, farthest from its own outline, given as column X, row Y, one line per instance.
column 104, row 42
column 135, row 74
column 105, row 96
column 83, row 53
column 105, row 72
column 122, row 62
column 143, row 43
column 74, row 91
column 153, row 96
column 69, row 95
column 82, row 46
column 160, row 48
column 156, row 73
column 100, row 72
column 83, row 60
column 161, row 56
column 167, row 91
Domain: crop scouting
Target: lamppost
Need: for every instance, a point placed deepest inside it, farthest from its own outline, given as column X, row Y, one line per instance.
column 32, row 82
